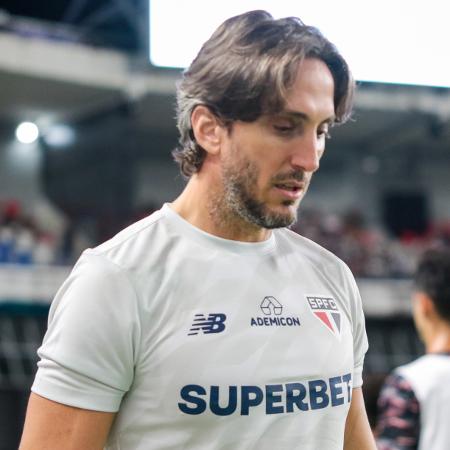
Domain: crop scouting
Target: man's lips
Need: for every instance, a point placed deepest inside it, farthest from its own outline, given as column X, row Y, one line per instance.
column 290, row 189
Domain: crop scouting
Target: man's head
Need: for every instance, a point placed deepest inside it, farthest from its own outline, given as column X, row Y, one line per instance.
column 245, row 71
column 431, row 299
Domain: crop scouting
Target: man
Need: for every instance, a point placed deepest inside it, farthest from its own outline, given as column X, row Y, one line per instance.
column 414, row 402
column 205, row 326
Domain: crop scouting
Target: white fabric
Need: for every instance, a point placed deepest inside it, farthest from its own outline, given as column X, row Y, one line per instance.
column 122, row 337
column 429, row 377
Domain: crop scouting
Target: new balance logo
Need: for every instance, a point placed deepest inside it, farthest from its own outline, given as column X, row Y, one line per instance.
column 213, row 323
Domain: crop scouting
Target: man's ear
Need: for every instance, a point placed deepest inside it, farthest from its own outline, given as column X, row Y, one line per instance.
column 424, row 304
column 207, row 129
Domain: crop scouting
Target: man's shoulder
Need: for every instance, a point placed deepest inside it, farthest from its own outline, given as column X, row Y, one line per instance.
column 425, row 373
column 133, row 243
column 406, row 371
column 310, row 249
column 425, row 367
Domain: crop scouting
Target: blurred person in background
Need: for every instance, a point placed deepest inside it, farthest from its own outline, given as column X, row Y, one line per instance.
column 414, row 402
column 209, row 324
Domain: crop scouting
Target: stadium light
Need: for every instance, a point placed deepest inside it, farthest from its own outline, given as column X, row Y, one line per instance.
column 27, row 132
column 59, row 135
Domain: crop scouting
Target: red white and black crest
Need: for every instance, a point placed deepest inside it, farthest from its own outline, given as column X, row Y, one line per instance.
column 325, row 309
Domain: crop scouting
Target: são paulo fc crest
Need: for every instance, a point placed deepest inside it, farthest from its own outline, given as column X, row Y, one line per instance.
column 326, row 310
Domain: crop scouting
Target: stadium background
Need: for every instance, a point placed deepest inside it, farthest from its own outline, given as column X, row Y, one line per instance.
column 80, row 70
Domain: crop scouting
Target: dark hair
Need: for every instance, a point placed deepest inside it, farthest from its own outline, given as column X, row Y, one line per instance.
column 245, row 70
column 433, row 278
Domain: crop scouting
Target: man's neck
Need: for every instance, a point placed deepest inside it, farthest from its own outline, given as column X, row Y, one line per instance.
column 439, row 341
column 201, row 204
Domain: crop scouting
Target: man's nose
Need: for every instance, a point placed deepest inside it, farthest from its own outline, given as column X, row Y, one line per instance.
column 306, row 153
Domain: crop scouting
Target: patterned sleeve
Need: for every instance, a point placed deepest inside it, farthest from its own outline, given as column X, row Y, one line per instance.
column 398, row 416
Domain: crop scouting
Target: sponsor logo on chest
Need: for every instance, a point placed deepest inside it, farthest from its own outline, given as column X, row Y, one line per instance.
column 272, row 315
column 281, row 398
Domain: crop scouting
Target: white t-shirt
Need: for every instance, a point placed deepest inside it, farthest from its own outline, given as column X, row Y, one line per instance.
column 429, row 378
column 203, row 343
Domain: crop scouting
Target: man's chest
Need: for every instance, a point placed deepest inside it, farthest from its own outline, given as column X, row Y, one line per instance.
column 242, row 342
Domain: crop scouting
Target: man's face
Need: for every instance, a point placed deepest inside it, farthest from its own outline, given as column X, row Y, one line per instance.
column 267, row 165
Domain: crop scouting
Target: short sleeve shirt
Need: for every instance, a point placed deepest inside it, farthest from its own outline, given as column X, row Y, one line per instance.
column 199, row 342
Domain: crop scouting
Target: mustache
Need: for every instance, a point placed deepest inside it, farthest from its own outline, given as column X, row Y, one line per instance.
column 296, row 175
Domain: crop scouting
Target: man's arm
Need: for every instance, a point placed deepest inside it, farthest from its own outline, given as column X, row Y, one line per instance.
column 53, row 426
column 398, row 424
column 358, row 435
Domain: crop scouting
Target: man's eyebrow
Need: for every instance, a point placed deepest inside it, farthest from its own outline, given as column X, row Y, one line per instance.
column 298, row 115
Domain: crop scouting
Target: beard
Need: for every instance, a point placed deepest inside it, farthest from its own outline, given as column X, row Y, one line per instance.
column 240, row 183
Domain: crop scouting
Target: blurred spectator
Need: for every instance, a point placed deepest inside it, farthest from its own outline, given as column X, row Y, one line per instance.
column 21, row 241
column 413, row 404
column 368, row 250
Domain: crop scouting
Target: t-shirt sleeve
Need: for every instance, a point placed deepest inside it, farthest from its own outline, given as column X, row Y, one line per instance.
column 398, row 422
column 360, row 343
column 89, row 352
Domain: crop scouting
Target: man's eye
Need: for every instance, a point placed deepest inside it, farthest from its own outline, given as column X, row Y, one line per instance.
column 284, row 129
column 324, row 133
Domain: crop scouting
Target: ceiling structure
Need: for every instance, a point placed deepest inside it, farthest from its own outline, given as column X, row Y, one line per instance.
column 120, row 24
column 48, row 81
column 66, row 60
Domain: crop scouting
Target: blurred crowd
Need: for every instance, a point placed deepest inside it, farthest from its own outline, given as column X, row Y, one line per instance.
column 29, row 238
column 21, row 240
column 368, row 249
